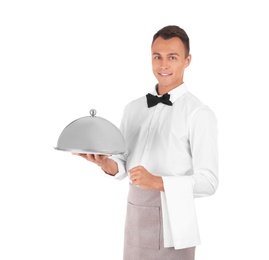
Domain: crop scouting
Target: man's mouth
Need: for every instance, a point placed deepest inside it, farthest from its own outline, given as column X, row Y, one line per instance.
column 165, row 74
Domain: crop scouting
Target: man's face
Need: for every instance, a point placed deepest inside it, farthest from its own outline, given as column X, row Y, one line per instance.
column 169, row 63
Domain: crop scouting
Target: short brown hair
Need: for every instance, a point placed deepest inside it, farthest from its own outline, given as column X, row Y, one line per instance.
column 171, row 31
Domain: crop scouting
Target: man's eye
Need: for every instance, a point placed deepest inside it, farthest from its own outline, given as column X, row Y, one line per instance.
column 173, row 58
column 157, row 58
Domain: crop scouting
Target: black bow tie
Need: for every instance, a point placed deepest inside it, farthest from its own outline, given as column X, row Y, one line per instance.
column 154, row 100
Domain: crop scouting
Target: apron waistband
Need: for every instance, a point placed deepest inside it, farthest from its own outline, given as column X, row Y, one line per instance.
column 143, row 197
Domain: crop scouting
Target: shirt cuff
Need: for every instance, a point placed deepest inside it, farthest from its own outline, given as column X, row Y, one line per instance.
column 121, row 174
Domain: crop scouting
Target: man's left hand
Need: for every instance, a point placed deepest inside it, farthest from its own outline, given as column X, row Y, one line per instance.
column 144, row 179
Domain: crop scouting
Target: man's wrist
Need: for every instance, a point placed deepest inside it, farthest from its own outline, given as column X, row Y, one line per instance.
column 109, row 167
column 108, row 173
column 159, row 183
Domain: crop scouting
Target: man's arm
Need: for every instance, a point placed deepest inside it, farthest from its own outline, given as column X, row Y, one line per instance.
column 204, row 149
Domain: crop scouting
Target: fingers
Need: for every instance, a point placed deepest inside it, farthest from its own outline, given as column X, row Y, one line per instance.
column 95, row 158
column 83, row 155
column 136, row 169
column 89, row 157
column 134, row 177
column 100, row 158
column 135, row 180
column 137, row 174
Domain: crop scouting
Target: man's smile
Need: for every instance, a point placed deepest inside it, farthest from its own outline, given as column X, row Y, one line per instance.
column 165, row 74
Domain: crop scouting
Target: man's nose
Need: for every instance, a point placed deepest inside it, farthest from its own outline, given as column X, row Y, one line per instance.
column 164, row 64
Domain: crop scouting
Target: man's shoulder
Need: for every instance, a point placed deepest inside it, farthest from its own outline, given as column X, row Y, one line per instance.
column 191, row 105
column 193, row 100
column 196, row 108
column 136, row 103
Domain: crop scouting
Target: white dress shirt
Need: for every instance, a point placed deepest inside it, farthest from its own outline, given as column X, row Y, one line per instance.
column 178, row 143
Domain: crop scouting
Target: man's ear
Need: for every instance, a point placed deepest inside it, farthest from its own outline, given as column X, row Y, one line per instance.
column 188, row 60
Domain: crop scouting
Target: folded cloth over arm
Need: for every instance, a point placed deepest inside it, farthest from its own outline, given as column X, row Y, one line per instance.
column 179, row 216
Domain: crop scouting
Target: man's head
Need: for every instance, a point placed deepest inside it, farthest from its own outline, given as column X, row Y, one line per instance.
column 171, row 31
column 170, row 56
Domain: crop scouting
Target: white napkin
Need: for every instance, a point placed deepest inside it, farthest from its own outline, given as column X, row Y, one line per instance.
column 179, row 216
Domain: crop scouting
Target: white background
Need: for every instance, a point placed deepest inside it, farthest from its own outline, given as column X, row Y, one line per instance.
column 59, row 59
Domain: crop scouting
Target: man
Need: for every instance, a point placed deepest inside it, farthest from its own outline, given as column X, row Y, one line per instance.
column 172, row 157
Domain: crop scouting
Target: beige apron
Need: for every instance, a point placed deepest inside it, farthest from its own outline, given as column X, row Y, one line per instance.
column 144, row 231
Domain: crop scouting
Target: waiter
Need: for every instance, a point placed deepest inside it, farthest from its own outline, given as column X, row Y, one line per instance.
column 172, row 157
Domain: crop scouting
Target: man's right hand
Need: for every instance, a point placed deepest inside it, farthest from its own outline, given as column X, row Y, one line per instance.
column 108, row 166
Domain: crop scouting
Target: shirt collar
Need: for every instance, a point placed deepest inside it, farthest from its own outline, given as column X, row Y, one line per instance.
column 174, row 93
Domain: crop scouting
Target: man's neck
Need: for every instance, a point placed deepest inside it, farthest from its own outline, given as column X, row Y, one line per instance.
column 161, row 90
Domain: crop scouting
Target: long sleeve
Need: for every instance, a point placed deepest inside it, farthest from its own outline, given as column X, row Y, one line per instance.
column 203, row 137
